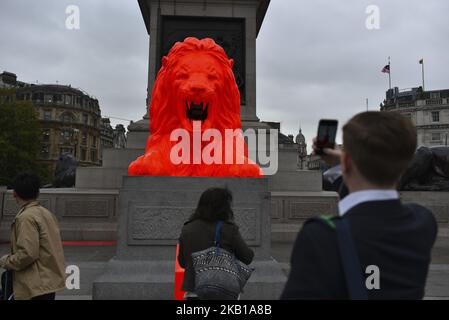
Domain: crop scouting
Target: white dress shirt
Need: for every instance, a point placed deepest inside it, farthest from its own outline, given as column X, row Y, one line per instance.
column 355, row 198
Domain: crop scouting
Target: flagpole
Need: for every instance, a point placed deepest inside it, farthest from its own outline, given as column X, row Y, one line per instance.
column 422, row 68
column 389, row 73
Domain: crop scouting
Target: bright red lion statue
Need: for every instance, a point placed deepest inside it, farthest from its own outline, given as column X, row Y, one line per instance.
column 195, row 92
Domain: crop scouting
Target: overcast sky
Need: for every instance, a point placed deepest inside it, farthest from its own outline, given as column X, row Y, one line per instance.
column 315, row 59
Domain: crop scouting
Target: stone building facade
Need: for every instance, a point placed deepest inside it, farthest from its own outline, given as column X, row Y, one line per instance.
column 70, row 119
column 106, row 136
column 428, row 111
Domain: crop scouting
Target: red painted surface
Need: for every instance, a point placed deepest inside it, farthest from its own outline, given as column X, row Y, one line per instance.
column 195, row 83
column 179, row 278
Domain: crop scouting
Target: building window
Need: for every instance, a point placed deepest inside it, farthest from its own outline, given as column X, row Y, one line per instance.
column 436, row 136
column 37, row 96
column 66, row 150
column 434, row 95
column 57, row 98
column 93, row 155
column 85, row 118
column 66, row 135
column 83, row 155
column 45, row 152
column 84, row 138
column 435, row 116
column 95, row 123
column 67, row 117
column 94, row 141
column 47, row 114
column 46, row 135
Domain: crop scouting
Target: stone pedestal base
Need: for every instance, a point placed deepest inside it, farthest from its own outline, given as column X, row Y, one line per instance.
column 152, row 213
column 154, row 280
column 83, row 215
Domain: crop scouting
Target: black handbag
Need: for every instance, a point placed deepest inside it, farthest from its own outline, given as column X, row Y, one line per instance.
column 219, row 275
column 6, row 292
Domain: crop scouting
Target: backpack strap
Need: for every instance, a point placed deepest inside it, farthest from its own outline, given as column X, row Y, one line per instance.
column 327, row 219
column 349, row 257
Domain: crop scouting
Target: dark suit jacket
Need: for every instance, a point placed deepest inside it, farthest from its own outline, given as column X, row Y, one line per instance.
column 396, row 238
column 199, row 235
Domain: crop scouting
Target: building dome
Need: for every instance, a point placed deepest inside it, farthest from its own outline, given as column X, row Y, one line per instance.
column 300, row 139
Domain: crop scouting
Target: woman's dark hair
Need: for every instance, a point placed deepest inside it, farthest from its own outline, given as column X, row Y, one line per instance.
column 214, row 204
column 26, row 185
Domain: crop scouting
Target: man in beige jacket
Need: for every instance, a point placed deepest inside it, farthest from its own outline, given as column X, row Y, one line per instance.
column 37, row 256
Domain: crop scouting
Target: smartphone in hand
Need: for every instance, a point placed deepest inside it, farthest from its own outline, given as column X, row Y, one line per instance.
column 327, row 132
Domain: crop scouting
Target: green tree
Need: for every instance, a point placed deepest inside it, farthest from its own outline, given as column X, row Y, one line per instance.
column 20, row 138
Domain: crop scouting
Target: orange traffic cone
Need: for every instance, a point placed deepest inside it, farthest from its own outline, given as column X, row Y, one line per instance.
column 179, row 278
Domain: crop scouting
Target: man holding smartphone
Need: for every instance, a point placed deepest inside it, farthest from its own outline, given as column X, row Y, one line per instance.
column 385, row 235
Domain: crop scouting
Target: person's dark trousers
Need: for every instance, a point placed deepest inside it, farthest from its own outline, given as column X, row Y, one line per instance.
column 48, row 296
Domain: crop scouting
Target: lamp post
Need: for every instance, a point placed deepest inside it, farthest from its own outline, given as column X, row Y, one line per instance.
column 75, row 137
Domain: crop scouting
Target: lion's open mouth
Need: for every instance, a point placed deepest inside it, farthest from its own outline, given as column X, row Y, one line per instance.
column 197, row 111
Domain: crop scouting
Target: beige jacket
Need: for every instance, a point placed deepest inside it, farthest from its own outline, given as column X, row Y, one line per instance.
column 37, row 256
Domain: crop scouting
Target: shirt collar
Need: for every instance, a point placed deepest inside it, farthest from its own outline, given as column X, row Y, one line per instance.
column 355, row 198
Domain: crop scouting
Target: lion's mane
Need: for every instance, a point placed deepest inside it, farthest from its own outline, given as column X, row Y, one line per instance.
column 161, row 119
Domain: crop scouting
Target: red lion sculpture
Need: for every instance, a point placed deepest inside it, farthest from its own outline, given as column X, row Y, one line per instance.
column 195, row 92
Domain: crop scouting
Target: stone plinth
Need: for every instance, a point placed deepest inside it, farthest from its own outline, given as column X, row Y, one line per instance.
column 436, row 201
column 82, row 214
column 289, row 210
column 110, row 174
column 152, row 213
column 297, row 180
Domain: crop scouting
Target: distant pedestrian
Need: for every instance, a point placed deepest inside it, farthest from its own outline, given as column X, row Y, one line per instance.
column 198, row 234
column 37, row 257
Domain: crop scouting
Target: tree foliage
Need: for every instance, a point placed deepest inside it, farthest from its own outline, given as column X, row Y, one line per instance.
column 20, row 138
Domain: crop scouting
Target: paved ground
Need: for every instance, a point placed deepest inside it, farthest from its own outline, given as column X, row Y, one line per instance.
column 92, row 261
